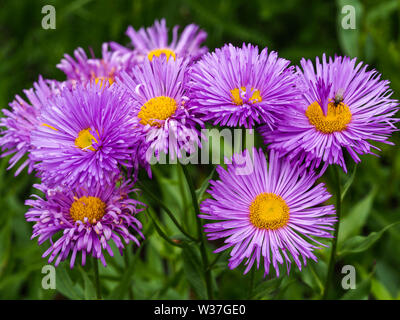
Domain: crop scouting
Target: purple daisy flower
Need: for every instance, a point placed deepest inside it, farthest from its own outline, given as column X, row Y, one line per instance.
column 21, row 120
column 161, row 117
column 153, row 41
column 84, row 136
column 238, row 86
column 272, row 212
column 84, row 69
column 344, row 107
column 84, row 219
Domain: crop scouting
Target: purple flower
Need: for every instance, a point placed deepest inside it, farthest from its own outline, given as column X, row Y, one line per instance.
column 84, row 219
column 84, row 136
column 84, row 69
column 344, row 107
column 161, row 117
column 21, row 120
column 271, row 212
column 238, row 86
column 153, row 42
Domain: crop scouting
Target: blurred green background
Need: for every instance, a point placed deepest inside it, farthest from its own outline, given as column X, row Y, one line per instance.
column 295, row 29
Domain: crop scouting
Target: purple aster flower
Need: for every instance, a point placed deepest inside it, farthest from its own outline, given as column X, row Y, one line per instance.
column 84, row 69
column 344, row 107
column 162, row 119
column 84, row 219
column 272, row 212
column 84, row 136
column 240, row 86
column 21, row 120
column 153, row 41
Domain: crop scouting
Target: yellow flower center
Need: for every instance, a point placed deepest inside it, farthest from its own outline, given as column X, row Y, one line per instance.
column 158, row 52
column 85, row 140
column 337, row 118
column 269, row 211
column 237, row 99
column 156, row 109
column 92, row 208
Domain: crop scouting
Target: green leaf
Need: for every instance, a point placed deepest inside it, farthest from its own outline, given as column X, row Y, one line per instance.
column 122, row 288
column 200, row 191
column 192, row 268
column 360, row 292
column 379, row 291
column 358, row 244
column 89, row 289
column 349, row 182
column 266, row 288
column 355, row 220
column 66, row 286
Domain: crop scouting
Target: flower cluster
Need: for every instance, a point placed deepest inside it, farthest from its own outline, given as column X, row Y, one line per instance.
column 87, row 136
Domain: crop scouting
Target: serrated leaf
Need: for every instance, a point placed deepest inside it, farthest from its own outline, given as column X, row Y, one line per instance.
column 192, row 268
column 358, row 244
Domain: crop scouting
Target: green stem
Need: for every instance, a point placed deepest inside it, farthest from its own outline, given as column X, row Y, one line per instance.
column 251, row 285
column 96, row 278
column 127, row 264
column 160, row 232
column 332, row 259
column 169, row 213
column 207, row 271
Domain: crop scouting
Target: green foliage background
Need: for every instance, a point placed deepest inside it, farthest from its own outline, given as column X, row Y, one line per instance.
column 295, row 29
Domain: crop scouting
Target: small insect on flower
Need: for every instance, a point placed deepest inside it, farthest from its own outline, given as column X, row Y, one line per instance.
column 85, row 220
column 85, row 135
column 273, row 213
column 338, row 97
column 153, row 42
column 344, row 107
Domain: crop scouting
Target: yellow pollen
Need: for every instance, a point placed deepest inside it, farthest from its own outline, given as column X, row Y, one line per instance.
column 157, row 109
column 269, row 211
column 158, row 52
column 104, row 80
column 92, row 208
column 337, row 118
column 85, row 140
column 237, row 99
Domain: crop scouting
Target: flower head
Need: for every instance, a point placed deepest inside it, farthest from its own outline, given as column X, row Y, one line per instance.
column 153, row 42
column 271, row 212
column 84, row 69
column 84, row 135
column 84, row 219
column 240, row 86
column 163, row 121
column 344, row 107
column 21, row 120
